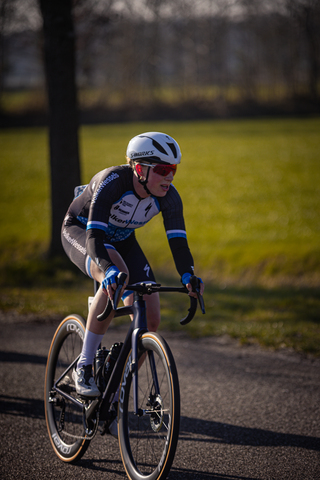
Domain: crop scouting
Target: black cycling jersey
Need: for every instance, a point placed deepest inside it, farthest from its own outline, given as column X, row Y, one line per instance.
column 110, row 210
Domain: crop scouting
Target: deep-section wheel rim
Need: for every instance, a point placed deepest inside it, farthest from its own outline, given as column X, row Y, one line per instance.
column 148, row 443
column 64, row 419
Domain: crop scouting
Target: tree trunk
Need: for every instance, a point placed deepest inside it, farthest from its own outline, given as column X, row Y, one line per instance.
column 59, row 59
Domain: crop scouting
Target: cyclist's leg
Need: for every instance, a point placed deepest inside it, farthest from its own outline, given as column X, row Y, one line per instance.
column 74, row 243
column 101, row 298
column 140, row 271
column 73, row 237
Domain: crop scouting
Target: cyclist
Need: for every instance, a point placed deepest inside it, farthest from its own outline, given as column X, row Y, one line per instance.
column 98, row 234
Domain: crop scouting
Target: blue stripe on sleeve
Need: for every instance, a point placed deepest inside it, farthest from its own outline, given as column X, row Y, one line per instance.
column 176, row 233
column 98, row 225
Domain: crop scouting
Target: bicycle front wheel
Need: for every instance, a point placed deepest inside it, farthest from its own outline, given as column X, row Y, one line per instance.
column 64, row 418
column 148, row 440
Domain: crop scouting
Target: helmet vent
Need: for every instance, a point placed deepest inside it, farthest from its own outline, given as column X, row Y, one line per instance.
column 159, row 147
column 173, row 149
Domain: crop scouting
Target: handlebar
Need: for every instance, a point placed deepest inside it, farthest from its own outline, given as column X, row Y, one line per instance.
column 148, row 289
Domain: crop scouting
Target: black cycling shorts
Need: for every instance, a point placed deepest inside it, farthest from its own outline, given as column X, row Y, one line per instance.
column 73, row 237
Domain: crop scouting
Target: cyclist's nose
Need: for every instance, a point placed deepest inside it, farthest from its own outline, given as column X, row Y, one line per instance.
column 169, row 176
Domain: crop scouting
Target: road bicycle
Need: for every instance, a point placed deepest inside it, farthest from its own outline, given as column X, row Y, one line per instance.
column 141, row 371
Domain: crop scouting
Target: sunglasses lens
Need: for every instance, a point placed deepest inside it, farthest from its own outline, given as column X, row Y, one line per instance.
column 164, row 170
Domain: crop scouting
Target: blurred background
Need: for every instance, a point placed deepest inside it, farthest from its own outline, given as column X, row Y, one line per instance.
column 155, row 59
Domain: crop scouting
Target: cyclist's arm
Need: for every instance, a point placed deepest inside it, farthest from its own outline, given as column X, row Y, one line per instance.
column 96, row 249
column 181, row 254
column 106, row 186
column 172, row 212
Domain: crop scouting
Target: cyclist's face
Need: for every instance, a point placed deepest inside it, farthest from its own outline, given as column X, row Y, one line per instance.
column 157, row 184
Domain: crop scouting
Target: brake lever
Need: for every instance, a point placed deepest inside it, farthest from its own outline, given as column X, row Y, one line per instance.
column 121, row 278
column 195, row 283
column 113, row 304
column 201, row 303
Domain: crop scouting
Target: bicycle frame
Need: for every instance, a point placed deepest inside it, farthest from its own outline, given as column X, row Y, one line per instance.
column 136, row 329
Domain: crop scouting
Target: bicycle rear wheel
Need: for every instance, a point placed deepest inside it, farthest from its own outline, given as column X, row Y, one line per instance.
column 64, row 418
column 148, row 442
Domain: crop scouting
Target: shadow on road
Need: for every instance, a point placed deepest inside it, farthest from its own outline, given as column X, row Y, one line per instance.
column 21, row 407
column 188, row 474
column 217, row 432
column 16, row 357
column 191, row 429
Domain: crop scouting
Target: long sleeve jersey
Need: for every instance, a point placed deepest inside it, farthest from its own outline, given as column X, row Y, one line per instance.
column 111, row 210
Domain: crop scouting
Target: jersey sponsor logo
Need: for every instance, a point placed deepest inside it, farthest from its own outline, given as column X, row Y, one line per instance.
column 126, row 204
column 109, row 179
column 132, row 223
column 124, row 212
column 73, row 242
column 130, row 212
column 147, row 270
column 117, row 219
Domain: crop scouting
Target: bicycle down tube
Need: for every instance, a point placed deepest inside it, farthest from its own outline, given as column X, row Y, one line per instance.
column 138, row 326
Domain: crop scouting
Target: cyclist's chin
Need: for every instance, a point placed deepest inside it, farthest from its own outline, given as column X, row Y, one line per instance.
column 160, row 190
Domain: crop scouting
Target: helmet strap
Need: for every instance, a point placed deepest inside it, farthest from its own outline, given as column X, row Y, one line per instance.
column 144, row 182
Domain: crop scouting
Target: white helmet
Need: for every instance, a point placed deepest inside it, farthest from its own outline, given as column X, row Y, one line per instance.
column 154, row 147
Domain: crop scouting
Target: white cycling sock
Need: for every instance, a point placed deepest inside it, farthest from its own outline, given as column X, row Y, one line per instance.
column 91, row 343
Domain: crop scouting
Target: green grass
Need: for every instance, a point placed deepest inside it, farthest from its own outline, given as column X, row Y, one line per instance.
column 251, row 193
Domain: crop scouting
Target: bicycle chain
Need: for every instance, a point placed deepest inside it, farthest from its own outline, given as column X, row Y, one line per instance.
column 80, row 437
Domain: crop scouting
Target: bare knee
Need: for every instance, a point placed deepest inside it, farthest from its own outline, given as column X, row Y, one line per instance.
column 153, row 323
column 153, row 312
column 96, row 273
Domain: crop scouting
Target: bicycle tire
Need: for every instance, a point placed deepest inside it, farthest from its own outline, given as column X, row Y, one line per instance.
column 64, row 419
column 148, row 443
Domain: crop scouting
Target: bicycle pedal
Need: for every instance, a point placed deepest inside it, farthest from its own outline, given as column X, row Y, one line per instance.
column 111, row 416
column 104, row 428
column 83, row 399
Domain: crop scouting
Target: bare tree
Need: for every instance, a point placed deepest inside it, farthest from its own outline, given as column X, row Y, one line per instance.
column 59, row 55
column 5, row 13
column 307, row 15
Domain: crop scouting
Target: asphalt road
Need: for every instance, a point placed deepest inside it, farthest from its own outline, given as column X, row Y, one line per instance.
column 247, row 413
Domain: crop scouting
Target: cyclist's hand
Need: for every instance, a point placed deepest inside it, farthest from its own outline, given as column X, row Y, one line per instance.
column 109, row 283
column 186, row 281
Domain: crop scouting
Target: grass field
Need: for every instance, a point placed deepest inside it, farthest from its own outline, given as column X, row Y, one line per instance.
column 251, row 193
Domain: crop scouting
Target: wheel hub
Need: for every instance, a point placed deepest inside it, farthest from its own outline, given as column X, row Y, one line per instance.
column 156, row 417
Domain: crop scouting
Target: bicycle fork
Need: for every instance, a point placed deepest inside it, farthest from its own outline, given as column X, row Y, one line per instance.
column 140, row 327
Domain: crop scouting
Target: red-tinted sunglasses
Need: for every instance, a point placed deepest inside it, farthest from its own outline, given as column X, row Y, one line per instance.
column 160, row 169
